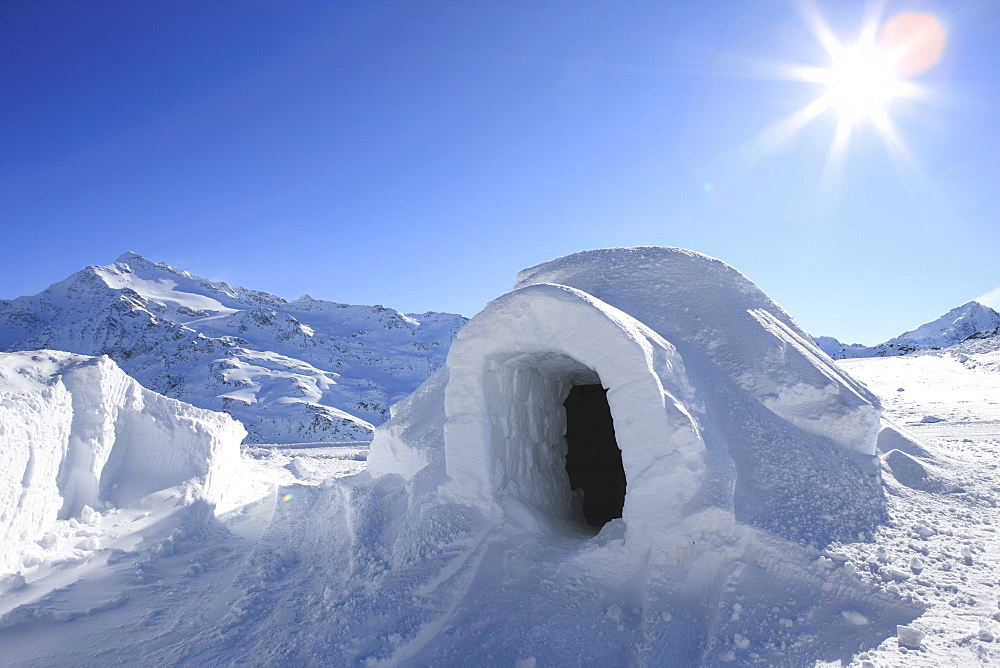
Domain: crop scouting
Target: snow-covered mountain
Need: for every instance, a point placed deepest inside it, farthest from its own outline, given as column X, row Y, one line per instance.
column 968, row 321
column 291, row 371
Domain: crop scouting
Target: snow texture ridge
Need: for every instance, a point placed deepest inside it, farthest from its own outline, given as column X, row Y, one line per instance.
column 79, row 435
column 300, row 371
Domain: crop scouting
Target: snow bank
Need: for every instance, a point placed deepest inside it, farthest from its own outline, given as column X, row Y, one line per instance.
column 718, row 399
column 77, row 432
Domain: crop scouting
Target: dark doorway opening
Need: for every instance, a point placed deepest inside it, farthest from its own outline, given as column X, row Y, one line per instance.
column 594, row 461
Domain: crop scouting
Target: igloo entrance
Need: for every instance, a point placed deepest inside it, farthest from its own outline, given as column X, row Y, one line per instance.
column 593, row 458
column 509, row 372
column 553, row 436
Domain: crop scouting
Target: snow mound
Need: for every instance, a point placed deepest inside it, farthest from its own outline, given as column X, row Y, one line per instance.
column 78, row 434
column 907, row 470
column 718, row 398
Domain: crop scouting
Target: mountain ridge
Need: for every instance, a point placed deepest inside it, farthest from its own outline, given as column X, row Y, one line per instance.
column 291, row 371
column 972, row 320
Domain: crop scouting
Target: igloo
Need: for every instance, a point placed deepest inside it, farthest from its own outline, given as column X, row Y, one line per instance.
column 651, row 384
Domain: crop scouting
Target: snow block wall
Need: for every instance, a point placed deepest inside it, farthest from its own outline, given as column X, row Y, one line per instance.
column 512, row 369
column 718, row 398
column 706, row 307
column 77, row 431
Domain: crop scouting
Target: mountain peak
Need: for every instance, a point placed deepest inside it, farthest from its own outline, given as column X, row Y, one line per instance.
column 971, row 320
column 129, row 256
column 971, row 307
column 309, row 371
column 954, row 326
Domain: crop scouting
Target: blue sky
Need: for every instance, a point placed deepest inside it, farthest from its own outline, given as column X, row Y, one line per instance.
column 418, row 154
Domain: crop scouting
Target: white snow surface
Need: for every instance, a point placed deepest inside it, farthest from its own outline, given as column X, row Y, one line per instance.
column 349, row 570
column 292, row 371
column 79, row 436
column 782, row 556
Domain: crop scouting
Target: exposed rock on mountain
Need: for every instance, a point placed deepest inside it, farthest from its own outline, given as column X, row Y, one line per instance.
column 291, row 371
column 968, row 321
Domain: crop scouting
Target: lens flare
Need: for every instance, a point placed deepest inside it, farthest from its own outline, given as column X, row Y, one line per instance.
column 860, row 83
column 914, row 40
column 288, row 497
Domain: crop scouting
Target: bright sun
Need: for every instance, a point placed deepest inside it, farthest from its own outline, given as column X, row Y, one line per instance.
column 863, row 78
column 860, row 83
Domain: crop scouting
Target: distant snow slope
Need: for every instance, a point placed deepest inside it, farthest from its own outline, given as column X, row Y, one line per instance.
column 299, row 371
column 78, row 435
column 971, row 320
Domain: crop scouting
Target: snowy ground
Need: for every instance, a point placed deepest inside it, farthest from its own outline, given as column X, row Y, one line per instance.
column 941, row 548
column 313, row 565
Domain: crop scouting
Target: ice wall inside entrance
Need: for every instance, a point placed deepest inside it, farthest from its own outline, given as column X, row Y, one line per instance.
column 524, row 398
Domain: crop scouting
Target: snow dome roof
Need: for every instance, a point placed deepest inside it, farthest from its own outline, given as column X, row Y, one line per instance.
column 718, row 400
column 714, row 313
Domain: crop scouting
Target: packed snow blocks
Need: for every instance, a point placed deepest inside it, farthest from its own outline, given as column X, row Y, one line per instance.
column 651, row 384
column 77, row 434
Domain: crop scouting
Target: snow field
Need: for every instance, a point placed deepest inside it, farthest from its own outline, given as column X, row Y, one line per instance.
column 939, row 549
column 366, row 571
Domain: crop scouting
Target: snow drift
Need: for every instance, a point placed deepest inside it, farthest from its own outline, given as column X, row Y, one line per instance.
column 78, row 434
column 719, row 400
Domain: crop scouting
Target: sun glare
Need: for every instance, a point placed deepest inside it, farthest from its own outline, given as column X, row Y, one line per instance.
column 859, row 83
